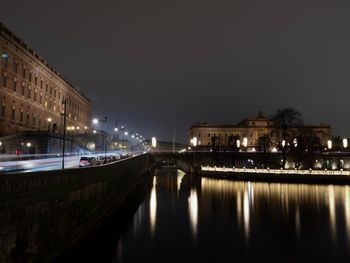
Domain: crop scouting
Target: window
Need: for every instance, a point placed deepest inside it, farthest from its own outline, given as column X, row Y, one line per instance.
column 39, row 123
column 59, row 95
column 45, row 103
column 50, row 90
column 28, row 118
column 15, row 66
column 33, row 120
column 21, row 116
column 4, row 81
column 24, row 72
column 47, row 87
column 3, row 110
column 34, row 95
column 55, row 93
column 30, row 76
column 41, row 99
column 29, row 92
column 41, row 84
column 36, row 80
column 5, row 58
column 14, row 85
column 13, row 114
column 23, row 88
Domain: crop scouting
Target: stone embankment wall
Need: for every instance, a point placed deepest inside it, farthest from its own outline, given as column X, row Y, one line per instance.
column 44, row 213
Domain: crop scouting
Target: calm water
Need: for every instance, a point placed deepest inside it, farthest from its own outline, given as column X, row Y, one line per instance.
column 182, row 218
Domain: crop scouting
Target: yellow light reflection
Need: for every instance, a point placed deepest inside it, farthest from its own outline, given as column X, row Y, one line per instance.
column 180, row 175
column 347, row 212
column 332, row 212
column 153, row 207
column 193, row 211
column 246, row 214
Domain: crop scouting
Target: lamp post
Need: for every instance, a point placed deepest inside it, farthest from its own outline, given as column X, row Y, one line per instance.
column 96, row 121
column 49, row 121
column 194, row 142
column 154, row 143
column 64, row 102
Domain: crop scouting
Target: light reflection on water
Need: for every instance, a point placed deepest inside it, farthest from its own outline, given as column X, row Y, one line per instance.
column 190, row 217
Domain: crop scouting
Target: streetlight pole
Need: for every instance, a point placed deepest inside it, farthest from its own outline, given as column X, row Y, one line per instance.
column 64, row 130
column 95, row 121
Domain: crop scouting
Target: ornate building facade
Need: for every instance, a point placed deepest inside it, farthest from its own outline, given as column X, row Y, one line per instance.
column 254, row 133
column 32, row 92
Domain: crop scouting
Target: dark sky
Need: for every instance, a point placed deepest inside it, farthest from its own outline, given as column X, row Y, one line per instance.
column 159, row 65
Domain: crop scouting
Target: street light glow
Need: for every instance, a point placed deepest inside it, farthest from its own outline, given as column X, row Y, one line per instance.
column 49, row 119
column 194, row 141
column 95, row 121
column 116, row 129
column 126, row 133
column 245, row 142
column 329, row 144
column 345, row 143
column 94, row 131
column 238, row 143
column 154, row 142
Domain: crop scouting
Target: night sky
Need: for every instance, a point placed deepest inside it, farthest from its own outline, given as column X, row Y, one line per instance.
column 159, row 65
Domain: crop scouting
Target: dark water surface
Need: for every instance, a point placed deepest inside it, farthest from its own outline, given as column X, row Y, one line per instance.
column 183, row 218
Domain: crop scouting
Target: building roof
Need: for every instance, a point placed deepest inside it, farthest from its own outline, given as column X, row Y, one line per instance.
column 20, row 42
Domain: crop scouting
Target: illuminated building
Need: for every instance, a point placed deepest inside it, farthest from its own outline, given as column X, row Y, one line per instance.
column 253, row 133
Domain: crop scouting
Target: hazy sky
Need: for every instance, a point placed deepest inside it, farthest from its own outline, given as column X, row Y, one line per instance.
column 159, row 65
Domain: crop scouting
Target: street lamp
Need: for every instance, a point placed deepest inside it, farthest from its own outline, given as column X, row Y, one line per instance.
column 96, row 121
column 329, row 144
column 345, row 143
column 49, row 120
column 194, row 142
column 154, row 143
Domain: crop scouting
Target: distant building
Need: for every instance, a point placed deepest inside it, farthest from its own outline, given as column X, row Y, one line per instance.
column 32, row 92
column 254, row 133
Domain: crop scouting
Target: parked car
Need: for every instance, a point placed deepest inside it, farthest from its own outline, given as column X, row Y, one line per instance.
column 99, row 160
column 87, row 161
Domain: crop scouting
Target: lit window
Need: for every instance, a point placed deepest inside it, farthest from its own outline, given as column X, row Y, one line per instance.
column 5, row 58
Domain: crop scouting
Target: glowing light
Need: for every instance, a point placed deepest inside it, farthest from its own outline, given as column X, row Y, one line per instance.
column 154, row 142
column 245, row 142
column 49, row 119
column 95, row 121
column 29, row 144
column 0, row 143
column 295, row 142
column 238, row 143
column 94, row 131
column 345, row 143
column 194, row 141
column 329, row 144
column 274, row 150
column 153, row 207
column 115, row 129
column 126, row 133
column 193, row 210
column 253, row 150
column 85, row 127
column 283, row 143
column 132, row 136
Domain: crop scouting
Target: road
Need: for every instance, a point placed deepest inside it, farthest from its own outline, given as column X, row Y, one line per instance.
column 39, row 164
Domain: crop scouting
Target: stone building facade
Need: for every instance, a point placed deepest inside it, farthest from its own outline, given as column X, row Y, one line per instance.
column 253, row 133
column 32, row 92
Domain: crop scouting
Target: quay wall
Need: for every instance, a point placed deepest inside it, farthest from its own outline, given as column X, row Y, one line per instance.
column 43, row 214
column 292, row 177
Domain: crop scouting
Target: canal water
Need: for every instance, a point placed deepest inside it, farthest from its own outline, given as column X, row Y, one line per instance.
column 184, row 218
